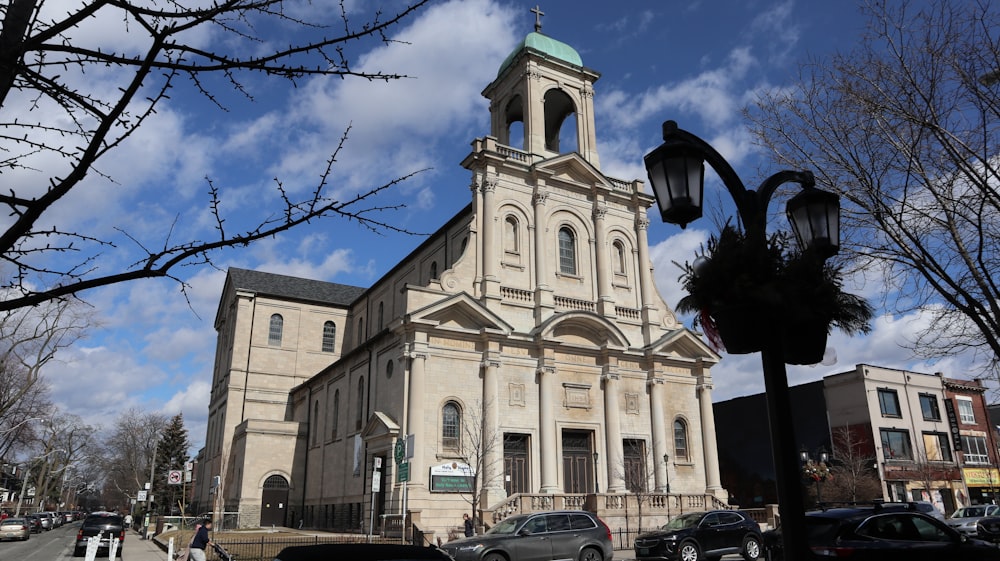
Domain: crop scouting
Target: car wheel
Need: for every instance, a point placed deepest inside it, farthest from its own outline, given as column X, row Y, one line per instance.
column 494, row 557
column 591, row 554
column 751, row 549
column 689, row 552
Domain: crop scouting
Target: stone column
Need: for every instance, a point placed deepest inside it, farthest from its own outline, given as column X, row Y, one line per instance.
column 660, row 433
column 416, row 423
column 646, row 286
column 544, row 299
column 605, row 298
column 713, row 481
column 548, row 444
column 492, row 438
column 491, row 282
column 615, row 456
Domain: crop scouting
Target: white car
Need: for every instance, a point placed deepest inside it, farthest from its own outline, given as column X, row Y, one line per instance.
column 965, row 519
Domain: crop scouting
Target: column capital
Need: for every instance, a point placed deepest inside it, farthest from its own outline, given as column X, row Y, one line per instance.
column 642, row 223
column 416, row 354
column 650, row 382
column 491, row 363
column 543, row 370
column 539, row 198
column 600, row 211
column 490, row 182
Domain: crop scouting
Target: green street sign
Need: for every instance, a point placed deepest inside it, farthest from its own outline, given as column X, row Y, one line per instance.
column 403, row 472
column 399, row 454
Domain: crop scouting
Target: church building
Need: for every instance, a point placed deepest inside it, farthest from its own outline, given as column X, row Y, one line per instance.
column 520, row 358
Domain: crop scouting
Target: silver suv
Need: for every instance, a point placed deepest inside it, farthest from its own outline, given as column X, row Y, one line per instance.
column 572, row 534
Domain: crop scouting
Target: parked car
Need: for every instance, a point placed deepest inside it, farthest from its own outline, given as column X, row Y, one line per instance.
column 107, row 525
column 702, row 535
column 34, row 523
column 46, row 521
column 883, row 533
column 571, row 534
column 68, row 517
column 965, row 519
column 361, row 552
column 57, row 520
column 14, row 529
column 929, row 509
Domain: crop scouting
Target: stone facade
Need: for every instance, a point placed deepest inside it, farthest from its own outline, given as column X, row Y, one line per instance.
column 524, row 342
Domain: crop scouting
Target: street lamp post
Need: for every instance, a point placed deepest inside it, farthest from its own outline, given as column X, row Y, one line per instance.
column 666, row 471
column 676, row 172
column 817, row 470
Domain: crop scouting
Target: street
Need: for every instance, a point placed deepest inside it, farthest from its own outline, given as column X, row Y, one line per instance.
column 44, row 546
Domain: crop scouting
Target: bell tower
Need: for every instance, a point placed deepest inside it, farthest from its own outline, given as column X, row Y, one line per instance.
column 540, row 85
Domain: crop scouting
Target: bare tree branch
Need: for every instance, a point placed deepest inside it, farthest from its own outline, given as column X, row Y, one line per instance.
column 50, row 110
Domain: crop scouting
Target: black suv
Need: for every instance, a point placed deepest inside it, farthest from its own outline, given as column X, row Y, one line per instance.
column 884, row 532
column 702, row 535
column 107, row 525
column 539, row 536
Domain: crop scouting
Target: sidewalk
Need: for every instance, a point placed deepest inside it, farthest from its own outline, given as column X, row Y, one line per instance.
column 138, row 549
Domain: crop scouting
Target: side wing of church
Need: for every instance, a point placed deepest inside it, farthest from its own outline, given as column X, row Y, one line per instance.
column 519, row 359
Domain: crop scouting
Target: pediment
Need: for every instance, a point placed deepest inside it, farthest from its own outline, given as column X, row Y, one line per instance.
column 683, row 343
column 380, row 425
column 572, row 168
column 461, row 312
column 585, row 329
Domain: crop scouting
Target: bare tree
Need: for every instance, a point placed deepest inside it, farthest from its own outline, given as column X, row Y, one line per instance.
column 906, row 127
column 476, row 448
column 637, row 469
column 30, row 339
column 128, row 453
column 59, row 122
column 853, row 477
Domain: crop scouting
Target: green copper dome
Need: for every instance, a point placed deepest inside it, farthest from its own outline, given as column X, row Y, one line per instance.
column 546, row 45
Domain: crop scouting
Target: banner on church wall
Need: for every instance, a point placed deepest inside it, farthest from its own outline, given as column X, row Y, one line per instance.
column 452, row 478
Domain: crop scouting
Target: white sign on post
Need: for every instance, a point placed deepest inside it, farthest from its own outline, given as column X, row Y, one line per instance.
column 141, row 497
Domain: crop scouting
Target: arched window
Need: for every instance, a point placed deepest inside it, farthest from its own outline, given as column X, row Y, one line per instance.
column 274, row 330
column 336, row 414
column 329, row 336
column 388, row 369
column 510, row 237
column 361, row 330
column 680, row 440
column 314, row 425
column 434, row 270
column 359, row 414
column 451, row 425
column 567, row 251
column 618, row 257
column 381, row 309
column 276, row 482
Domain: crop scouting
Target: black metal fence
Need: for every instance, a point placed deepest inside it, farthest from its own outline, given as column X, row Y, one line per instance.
column 625, row 539
column 266, row 549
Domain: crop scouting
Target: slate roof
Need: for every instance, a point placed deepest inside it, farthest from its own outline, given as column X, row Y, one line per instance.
column 296, row 288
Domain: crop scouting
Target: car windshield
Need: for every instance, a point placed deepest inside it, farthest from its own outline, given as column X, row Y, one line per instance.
column 970, row 511
column 683, row 521
column 506, row 526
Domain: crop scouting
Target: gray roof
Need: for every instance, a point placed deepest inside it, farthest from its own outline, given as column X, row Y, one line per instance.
column 296, row 288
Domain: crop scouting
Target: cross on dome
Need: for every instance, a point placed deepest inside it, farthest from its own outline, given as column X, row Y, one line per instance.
column 538, row 18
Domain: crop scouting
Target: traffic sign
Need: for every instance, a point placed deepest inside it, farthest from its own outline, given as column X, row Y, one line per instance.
column 141, row 497
column 175, row 476
column 403, row 472
column 399, row 454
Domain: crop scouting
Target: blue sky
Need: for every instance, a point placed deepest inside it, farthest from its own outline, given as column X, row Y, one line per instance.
column 696, row 62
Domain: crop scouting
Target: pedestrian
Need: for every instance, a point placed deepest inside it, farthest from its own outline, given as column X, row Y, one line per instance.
column 128, row 521
column 469, row 532
column 201, row 541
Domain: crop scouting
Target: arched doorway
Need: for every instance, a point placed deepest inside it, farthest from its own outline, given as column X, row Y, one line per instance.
column 274, row 501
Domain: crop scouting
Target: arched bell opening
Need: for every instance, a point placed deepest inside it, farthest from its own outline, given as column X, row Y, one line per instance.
column 514, row 123
column 558, row 107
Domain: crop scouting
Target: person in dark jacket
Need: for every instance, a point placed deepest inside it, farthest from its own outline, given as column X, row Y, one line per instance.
column 469, row 532
column 201, row 541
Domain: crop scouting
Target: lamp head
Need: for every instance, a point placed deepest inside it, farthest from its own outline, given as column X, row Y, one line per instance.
column 676, row 172
column 815, row 218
